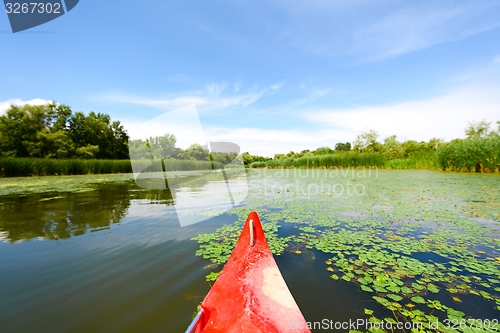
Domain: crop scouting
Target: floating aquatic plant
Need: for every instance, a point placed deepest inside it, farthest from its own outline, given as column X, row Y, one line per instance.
column 404, row 241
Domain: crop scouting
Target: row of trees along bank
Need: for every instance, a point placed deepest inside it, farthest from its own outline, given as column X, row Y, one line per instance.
column 479, row 152
column 54, row 131
column 52, row 139
column 39, row 140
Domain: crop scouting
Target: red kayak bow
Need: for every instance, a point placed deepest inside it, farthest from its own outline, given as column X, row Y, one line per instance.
column 250, row 294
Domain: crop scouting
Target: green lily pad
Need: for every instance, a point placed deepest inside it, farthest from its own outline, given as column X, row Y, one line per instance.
column 418, row 299
column 394, row 297
column 406, row 290
column 366, row 288
column 432, row 288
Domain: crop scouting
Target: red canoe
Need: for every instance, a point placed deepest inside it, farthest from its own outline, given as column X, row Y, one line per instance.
column 250, row 294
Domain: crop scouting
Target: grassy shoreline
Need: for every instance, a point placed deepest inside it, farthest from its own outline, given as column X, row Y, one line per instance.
column 462, row 157
column 26, row 167
column 447, row 159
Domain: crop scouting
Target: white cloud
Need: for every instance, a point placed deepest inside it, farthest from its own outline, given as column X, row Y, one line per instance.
column 267, row 142
column 214, row 96
column 165, row 103
column 496, row 60
column 314, row 95
column 444, row 116
column 369, row 31
column 237, row 87
column 214, row 90
column 420, row 26
column 5, row 105
column 183, row 123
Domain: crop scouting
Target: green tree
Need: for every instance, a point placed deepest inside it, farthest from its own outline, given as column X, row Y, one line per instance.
column 293, row 154
column 434, row 144
column 194, row 152
column 55, row 144
column 247, row 158
column 495, row 134
column 279, row 156
column 19, row 127
column 96, row 129
column 59, row 117
column 410, row 147
column 158, row 147
column 323, row 151
column 163, row 146
column 224, row 158
column 304, row 152
column 479, row 130
column 343, row 146
column 89, row 151
column 118, row 141
column 392, row 148
column 367, row 142
column 52, row 130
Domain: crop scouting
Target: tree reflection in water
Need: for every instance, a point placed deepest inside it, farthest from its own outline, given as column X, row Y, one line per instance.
column 53, row 216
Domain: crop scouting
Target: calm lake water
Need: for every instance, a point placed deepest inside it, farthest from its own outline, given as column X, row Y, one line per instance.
column 115, row 259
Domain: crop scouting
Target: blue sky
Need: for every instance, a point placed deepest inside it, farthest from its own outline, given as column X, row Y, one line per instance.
column 271, row 76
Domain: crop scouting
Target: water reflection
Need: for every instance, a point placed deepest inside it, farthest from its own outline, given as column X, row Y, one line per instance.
column 61, row 216
column 55, row 216
column 198, row 194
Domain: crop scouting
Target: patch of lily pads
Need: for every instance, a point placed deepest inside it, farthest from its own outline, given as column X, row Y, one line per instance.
column 418, row 257
column 217, row 246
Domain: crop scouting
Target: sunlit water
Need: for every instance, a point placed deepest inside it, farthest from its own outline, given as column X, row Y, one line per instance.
column 117, row 260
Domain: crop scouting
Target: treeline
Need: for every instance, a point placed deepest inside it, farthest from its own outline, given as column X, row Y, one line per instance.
column 54, row 131
column 479, row 152
column 51, row 139
column 164, row 148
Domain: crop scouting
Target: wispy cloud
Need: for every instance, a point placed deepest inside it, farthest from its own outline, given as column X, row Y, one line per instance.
column 315, row 94
column 444, row 116
column 267, row 142
column 237, row 87
column 213, row 96
column 421, row 26
column 367, row 31
column 5, row 105
column 214, row 90
column 496, row 60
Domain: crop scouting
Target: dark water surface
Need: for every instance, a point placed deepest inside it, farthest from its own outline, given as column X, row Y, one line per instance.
column 115, row 259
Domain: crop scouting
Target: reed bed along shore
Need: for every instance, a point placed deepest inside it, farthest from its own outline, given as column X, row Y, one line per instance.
column 351, row 160
column 471, row 155
column 25, row 167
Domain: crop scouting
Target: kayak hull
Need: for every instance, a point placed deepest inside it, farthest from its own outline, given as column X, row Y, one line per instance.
column 250, row 294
